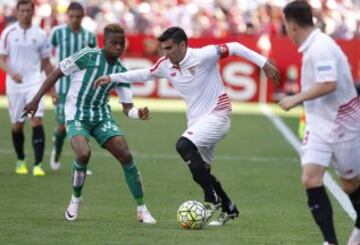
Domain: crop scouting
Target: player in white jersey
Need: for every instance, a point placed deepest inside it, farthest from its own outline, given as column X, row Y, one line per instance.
column 332, row 118
column 24, row 52
column 194, row 73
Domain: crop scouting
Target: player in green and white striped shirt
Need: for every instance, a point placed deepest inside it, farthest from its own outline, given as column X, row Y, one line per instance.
column 88, row 114
column 67, row 39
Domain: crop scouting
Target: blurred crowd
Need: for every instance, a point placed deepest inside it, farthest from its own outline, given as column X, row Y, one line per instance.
column 200, row 18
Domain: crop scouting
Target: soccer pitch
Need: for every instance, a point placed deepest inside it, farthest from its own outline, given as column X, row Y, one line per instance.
column 256, row 165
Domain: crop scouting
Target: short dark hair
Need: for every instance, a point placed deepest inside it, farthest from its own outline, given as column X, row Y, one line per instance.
column 174, row 33
column 300, row 12
column 113, row 28
column 75, row 6
column 23, row 2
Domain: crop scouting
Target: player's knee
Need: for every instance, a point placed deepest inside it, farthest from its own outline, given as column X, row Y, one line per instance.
column 18, row 127
column 125, row 158
column 350, row 185
column 83, row 155
column 311, row 181
column 185, row 148
column 36, row 121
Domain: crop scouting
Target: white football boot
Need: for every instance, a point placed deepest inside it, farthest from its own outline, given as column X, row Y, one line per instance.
column 144, row 215
column 72, row 211
column 55, row 165
column 354, row 237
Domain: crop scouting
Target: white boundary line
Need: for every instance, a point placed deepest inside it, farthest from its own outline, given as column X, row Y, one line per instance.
column 329, row 182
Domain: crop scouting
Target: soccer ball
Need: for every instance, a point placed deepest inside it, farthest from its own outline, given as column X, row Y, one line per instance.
column 191, row 215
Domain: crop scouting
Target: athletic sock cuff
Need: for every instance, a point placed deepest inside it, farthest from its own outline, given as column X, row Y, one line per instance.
column 79, row 166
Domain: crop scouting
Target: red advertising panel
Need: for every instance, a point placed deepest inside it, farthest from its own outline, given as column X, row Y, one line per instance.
column 241, row 78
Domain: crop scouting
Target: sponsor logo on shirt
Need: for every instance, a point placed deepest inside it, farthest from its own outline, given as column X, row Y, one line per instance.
column 173, row 74
column 324, row 68
column 192, row 70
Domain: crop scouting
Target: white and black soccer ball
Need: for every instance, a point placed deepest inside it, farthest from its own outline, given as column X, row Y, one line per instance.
column 191, row 215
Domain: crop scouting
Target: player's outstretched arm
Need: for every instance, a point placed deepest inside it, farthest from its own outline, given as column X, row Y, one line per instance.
column 138, row 75
column 240, row 50
column 31, row 107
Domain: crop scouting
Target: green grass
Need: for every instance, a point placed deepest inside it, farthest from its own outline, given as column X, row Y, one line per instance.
column 256, row 165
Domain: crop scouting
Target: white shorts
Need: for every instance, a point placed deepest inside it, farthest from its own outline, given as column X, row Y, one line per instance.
column 206, row 132
column 17, row 102
column 343, row 156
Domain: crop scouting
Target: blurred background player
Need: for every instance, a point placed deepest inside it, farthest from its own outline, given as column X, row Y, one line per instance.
column 24, row 52
column 332, row 112
column 194, row 73
column 67, row 39
column 88, row 114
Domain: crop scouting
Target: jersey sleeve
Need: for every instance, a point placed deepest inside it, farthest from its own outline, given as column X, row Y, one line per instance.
column 138, row 75
column 76, row 62
column 157, row 70
column 325, row 65
column 238, row 49
column 212, row 53
column 45, row 48
column 4, row 45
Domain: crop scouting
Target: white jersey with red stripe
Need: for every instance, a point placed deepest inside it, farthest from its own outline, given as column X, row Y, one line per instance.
column 24, row 48
column 196, row 77
column 334, row 117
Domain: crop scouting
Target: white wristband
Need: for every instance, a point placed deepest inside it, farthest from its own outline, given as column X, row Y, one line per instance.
column 133, row 113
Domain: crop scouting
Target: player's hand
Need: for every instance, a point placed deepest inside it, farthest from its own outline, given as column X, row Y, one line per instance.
column 16, row 77
column 101, row 81
column 144, row 113
column 272, row 72
column 288, row 102
column 30, row 108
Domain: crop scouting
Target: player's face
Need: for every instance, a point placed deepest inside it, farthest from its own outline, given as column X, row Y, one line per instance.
column 75, row 16
column 290, row 28
column 114, row 45
column 175, row 52
column 24, row 13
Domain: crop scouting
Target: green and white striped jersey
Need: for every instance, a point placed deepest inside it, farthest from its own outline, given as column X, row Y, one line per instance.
column 67, row 43
column 83, row 101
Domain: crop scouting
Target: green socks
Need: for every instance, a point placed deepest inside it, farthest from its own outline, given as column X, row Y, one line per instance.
column 79, row 175
column 133, row 179
column 58, row 142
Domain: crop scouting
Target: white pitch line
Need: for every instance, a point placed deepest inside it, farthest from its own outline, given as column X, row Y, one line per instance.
column 148, row 156
column 329, row 182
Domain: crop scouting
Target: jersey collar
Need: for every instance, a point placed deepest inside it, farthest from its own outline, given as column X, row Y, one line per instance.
column 308, row 40
column 20, row 28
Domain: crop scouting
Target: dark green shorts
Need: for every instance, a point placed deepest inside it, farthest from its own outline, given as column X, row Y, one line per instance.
column 102, row 131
